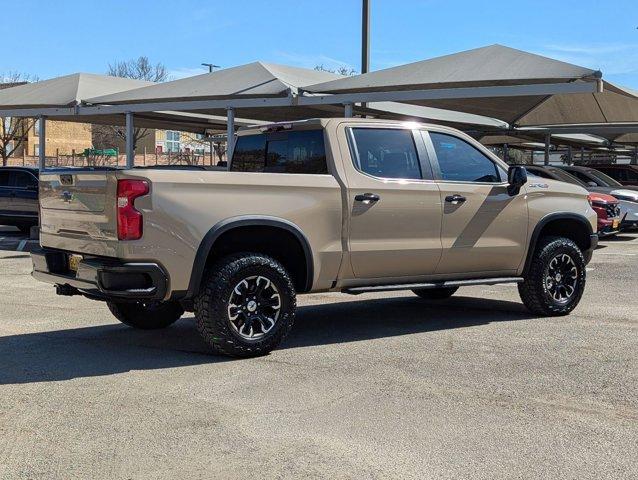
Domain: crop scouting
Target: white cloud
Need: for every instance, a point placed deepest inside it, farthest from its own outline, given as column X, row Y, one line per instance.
column 184, row 72
column 611, row 59
column 311, row 60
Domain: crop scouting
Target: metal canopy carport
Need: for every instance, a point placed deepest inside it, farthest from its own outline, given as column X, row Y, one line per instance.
column 262, row 91
column 60, row 98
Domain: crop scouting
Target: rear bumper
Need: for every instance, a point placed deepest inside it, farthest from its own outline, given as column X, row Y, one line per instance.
column 100, row 278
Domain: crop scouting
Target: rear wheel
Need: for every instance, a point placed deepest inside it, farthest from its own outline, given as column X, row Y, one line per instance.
column 435, row 293
column 146, row 315
column 246, row 305
column 555, row 281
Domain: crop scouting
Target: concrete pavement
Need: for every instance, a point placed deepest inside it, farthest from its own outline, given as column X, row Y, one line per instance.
column 372, row 386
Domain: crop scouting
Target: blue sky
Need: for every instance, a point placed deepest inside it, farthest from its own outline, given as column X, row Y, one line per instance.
column 51, row 38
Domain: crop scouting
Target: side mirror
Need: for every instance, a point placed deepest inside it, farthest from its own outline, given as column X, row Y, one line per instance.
column 517, row 177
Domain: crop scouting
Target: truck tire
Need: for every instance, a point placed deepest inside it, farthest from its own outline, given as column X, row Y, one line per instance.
column 246, row 305
column 435, row 293
column 146, row 316
column 555, row 281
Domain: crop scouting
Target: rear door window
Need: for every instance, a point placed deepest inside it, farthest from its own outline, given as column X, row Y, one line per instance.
column 23, row 180
column 301, row 151
column 4, row 179
column 386, row 153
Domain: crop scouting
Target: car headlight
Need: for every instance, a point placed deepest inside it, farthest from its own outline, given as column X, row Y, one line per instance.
column 624, row 196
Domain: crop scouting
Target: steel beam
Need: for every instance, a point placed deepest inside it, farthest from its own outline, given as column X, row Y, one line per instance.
column 548, row 143
column 230, row 134
column 42, row 142
column 540, row 89
column 348, row 110
column 130, row 140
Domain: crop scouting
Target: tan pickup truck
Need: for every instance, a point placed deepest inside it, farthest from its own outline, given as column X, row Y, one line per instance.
column 343, row 205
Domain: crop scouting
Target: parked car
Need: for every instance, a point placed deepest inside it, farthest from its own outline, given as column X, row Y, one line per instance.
column 628, row 209
column 343, row 205
column 624, row 174
column 608, row 211
column 19, row 197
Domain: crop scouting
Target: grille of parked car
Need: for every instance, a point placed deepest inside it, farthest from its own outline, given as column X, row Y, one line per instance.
column 613, row 210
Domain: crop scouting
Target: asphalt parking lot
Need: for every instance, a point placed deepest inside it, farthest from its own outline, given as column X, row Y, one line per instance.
column 373, row 386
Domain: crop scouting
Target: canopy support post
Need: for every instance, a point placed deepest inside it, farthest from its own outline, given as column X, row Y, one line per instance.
column 506, row 153
column 348, row 111
column 42, row 142
column 548, row 141
column 130, row 140
column 634, row 157
column 569, row 155
column 230, row 134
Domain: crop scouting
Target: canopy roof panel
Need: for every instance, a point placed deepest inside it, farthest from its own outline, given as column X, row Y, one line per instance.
column 492, row 66
column 485, row 66
column 255, row 79
column 66, row 91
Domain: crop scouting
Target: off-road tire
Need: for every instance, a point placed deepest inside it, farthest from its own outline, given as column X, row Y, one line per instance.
column 534, row 290
column 146, row 315
column 212, row 304
column 435, row 293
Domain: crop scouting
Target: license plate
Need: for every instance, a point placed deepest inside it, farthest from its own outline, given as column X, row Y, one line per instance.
column 74, row 262
column 615, row 224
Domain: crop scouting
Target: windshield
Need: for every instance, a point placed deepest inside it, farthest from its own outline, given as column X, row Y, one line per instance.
column 605, row 180
column 564, row 176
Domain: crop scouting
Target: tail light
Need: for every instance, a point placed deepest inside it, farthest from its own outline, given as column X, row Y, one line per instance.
column 129, row 220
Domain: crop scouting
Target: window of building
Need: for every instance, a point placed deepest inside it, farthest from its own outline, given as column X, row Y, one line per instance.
column 386, row 153
column 36, row 127
column 459, row 161
column 301, row 151
column 172, row 141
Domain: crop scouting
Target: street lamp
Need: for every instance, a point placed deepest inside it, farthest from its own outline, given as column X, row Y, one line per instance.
column 210, row 66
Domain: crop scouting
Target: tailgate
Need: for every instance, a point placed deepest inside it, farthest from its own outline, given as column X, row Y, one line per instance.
column 76, row 206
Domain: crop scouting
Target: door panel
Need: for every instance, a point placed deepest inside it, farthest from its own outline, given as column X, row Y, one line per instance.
column 6, row 193
column 485, row 233
column 484, row 229
column 397, row 235
column 25, row 200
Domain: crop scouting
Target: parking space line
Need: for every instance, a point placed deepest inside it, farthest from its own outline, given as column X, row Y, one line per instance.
column 615, row 253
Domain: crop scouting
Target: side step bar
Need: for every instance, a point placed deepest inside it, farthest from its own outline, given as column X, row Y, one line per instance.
column 447, row 283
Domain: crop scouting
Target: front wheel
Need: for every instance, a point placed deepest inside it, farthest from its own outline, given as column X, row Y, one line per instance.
column 555, row 281
column 246, row 305
column 146, row 315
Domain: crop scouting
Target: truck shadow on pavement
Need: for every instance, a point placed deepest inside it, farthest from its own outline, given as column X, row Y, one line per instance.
column 111, row 349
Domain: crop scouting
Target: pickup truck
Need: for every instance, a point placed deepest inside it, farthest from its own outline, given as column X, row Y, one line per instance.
column 333, row 205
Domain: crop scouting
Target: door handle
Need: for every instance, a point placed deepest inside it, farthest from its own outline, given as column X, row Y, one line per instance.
column 455, row 199
column 367, row 197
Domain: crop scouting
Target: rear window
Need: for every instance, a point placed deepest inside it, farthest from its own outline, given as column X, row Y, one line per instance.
column 300, row 151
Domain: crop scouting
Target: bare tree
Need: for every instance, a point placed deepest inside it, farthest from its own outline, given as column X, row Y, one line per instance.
column 106, row 136
column 13, row 130
column 345, row 71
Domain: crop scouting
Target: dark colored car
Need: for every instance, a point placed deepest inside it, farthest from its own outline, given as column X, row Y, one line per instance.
column 625, row 174
column 628, row 208
column 19, row 197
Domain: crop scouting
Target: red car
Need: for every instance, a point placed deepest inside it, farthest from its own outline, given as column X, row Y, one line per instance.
column 608, row 211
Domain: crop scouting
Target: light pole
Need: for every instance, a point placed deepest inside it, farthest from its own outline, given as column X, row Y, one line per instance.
column 210, row 66
column 365, row 36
